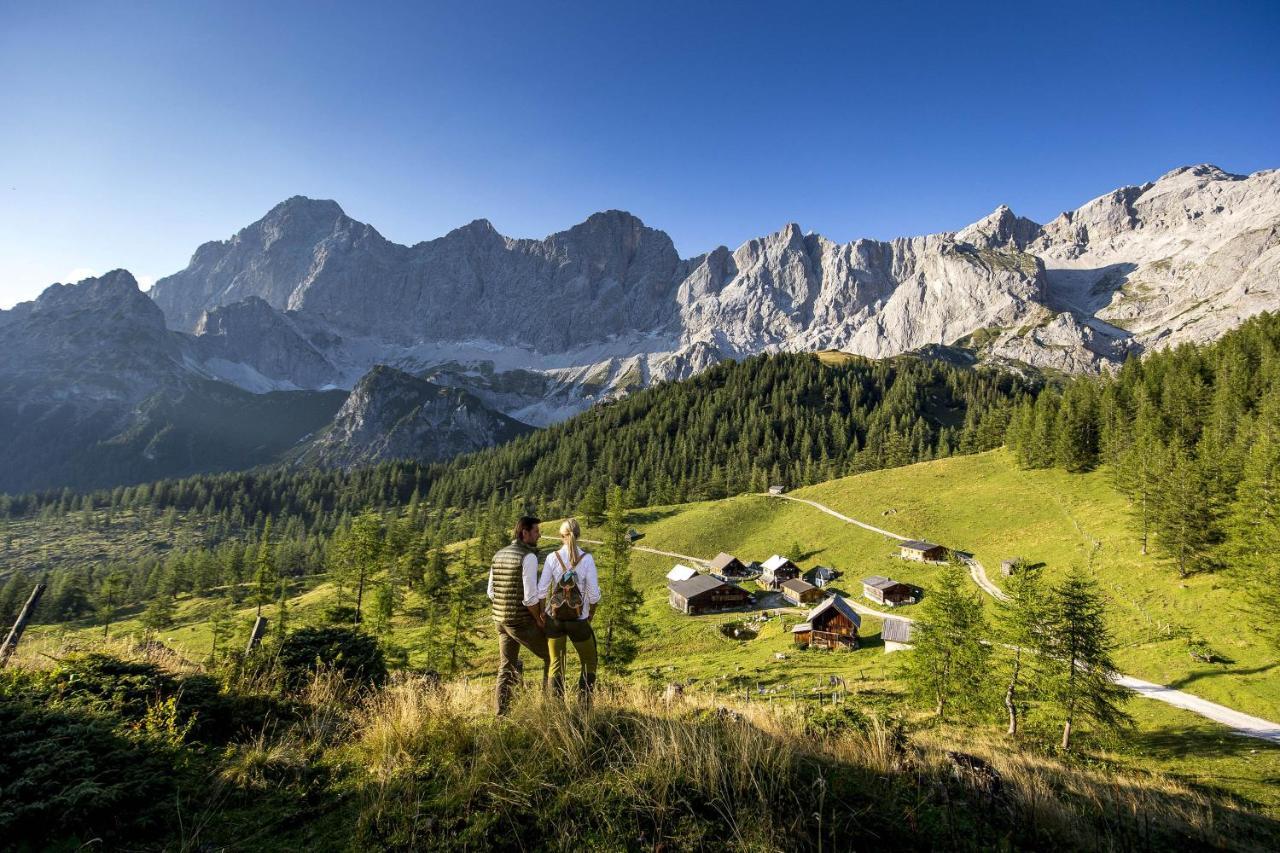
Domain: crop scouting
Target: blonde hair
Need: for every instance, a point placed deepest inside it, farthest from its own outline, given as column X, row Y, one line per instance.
column 569, row 527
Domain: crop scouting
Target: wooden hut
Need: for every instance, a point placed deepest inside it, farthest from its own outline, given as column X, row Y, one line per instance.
column 833, row 624
column 777, row 490
column 798, row 591
column 681, row 573
column 896, row 634
column 633, row 534
column 883, row 590
column 728, row 566
column 821, row 576
column 921, row 551
column 777, row 570
column 705, row 594
column 1011, row 566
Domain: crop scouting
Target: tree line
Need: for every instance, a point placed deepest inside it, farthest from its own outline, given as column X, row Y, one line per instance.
column 1191, row 437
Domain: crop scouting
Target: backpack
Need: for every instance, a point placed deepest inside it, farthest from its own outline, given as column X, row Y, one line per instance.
column 564, row 601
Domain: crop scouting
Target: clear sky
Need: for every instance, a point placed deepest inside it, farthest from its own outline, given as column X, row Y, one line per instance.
column 131, row 132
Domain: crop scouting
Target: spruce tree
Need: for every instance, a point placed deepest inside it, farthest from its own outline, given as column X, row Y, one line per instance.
column 265, row 575
column 1185, row 516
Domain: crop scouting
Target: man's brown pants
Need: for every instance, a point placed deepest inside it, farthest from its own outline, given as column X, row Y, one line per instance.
column 510, row 639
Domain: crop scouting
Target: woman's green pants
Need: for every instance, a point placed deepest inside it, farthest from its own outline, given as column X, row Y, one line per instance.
column 559, row 635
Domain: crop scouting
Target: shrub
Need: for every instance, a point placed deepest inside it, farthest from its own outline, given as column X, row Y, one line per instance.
column 68, row 776
column 350, row 652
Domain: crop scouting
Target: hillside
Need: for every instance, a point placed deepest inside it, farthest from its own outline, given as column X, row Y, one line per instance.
column 963, row 502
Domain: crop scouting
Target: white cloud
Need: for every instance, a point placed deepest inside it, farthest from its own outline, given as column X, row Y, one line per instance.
column 79, row 274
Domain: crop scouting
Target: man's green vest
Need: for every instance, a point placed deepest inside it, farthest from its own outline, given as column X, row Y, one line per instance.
column 508, row 584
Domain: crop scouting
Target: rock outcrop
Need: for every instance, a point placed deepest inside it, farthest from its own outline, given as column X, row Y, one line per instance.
column 391, row 414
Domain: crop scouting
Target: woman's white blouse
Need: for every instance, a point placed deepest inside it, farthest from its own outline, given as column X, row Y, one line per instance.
column 588, row 578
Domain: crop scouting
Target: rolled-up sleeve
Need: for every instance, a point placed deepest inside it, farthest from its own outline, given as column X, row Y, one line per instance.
column 530, row 571
column 591, row 579
column 544, row 583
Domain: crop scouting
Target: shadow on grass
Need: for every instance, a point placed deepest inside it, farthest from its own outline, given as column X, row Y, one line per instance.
column 649, row 516
column 1176, row 743
column 1197, row 676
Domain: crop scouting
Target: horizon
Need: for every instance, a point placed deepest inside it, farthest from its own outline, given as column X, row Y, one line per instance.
column 715, row 129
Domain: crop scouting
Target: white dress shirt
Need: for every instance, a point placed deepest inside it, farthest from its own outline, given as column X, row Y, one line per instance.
column 588, row 579
column 529, row 574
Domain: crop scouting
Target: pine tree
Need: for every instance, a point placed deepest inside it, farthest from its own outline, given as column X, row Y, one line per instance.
column 159, row 613
column 1137, row 473
column 949, row 661
column 109, row 598
column 1078, row 674
column 1254, row 521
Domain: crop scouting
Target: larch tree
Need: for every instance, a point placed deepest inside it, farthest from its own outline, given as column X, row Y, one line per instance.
column 1020, row 627
column 1077, row 671
column 949, row 661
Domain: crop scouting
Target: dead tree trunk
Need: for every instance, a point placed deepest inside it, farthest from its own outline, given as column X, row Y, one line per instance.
column 15, row 633
column 255, row 636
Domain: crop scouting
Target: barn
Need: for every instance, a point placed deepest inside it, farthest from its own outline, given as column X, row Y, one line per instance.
column 729, row 566
column 921, row 551
column 883, row 590
column 800, row 592
column 681, row 573
column 896, row 634
column 705, row 594
column 777, row 570
column 833, row 624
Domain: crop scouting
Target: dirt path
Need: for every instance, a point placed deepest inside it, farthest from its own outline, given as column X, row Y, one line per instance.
column 1239, row 722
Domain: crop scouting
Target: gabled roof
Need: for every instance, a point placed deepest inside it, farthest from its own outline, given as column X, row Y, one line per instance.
column 917, row 545
column 825, row 572
column 681, row 573
column 798, row 586
column 840, row 606
column 698, row 585
column 881, row 582
column 722, row 560
column 896, row 631
column 775, row 562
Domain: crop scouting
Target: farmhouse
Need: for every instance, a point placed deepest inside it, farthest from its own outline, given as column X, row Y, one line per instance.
column 821, row 576
column 776, row 570
column 882, row 590
column 681, row 573
column 896, row 634
column 705, row 594
column 800, row 592
column 925, row 552
column 728, row 566
column 833, row 624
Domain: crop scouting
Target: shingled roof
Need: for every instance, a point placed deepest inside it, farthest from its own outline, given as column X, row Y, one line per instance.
column 896, row 631
column 917, row 545
column 840, row 605
column 696, row 585
column 722, row 560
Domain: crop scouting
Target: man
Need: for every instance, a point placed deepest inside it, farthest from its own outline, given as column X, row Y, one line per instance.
column 513, row 589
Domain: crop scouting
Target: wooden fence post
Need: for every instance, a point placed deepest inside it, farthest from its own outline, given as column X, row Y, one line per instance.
column 15, row 633
column 255, row 636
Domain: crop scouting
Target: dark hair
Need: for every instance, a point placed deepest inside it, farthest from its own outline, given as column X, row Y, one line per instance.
column 525, row 524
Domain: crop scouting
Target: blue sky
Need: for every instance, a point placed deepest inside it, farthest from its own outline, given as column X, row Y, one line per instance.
column 132, row 132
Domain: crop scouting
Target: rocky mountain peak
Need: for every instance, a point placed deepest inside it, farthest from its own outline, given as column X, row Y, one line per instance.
column 1000, row 229
column 115, row 295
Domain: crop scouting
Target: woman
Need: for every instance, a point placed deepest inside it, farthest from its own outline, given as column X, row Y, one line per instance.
column 569, row 589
